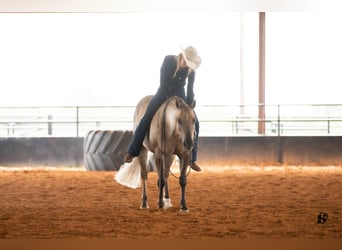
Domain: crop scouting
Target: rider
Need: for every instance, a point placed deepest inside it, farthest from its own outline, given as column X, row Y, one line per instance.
column 174, row 72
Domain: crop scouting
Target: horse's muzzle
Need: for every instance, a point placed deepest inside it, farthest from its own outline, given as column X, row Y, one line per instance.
column 188, row 144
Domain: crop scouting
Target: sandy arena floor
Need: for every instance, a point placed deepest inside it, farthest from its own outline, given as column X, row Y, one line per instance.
column 225, row 203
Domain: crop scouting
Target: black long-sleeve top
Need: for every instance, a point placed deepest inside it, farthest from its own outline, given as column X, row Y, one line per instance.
column 170, row 85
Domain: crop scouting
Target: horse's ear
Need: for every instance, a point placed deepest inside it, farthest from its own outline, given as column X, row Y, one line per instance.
column 178, row 104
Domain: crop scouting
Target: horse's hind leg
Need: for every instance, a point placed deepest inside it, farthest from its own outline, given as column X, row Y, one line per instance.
column 142, row 161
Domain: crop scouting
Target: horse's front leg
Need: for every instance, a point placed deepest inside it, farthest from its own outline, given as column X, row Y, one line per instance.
column 182, row 181
column 161, row 178
column 167, row 200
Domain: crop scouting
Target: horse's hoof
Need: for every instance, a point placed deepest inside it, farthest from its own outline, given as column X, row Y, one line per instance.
column 184, row 210
column 144, row 207
column 167, row 203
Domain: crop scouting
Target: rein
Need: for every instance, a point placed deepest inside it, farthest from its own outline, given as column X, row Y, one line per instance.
column 177, row 177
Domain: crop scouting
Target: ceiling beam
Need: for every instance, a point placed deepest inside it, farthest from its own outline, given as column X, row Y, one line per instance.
column 124, row 6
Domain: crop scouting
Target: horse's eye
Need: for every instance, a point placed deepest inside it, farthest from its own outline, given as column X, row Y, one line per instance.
column 180, row 122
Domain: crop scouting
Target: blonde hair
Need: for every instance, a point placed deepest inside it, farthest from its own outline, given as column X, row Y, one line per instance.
column 178, row 59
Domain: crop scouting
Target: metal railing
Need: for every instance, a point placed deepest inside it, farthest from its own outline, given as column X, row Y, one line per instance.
column 215, row 120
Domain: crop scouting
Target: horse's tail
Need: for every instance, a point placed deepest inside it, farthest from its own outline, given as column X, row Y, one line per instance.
column 129, row 174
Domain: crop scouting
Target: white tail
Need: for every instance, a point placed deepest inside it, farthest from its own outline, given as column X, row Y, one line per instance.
column 129, row 174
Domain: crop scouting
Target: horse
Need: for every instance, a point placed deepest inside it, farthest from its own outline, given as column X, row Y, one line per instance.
column 171, row 134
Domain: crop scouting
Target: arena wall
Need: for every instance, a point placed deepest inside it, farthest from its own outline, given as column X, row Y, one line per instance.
column 41, row 151
column 212, row 150
column 271, row 150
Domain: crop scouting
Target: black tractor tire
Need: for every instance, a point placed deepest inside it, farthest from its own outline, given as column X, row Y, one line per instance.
column 103, row 150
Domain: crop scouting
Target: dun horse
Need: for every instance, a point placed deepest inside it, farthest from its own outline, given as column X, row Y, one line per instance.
column 171, row 133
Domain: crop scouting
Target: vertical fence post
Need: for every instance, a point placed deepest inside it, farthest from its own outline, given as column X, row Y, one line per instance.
column 77, row 121
column 50, row 125
column 279, row 148
column 278, row 120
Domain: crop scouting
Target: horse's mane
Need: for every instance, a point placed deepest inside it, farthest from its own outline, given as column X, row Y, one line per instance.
column 179, row 102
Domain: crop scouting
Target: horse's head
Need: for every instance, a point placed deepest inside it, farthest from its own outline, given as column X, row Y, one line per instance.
column 185, row 125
